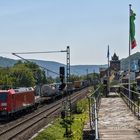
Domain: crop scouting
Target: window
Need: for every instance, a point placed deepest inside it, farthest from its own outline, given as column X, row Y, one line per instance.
column 3, row 97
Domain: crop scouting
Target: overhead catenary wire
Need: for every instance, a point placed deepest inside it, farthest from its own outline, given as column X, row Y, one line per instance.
column 16, row 54
column 38, row 65
column 41, row 52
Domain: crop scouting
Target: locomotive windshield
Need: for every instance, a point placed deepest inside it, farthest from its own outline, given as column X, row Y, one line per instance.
column 3, row 97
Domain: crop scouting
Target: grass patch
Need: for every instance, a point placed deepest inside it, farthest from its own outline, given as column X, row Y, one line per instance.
column 56, row 130
column 53, row 132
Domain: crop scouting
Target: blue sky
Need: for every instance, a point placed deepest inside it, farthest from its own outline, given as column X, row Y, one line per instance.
column 87, row 26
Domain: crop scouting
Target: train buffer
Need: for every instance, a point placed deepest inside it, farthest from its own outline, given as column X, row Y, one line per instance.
column 116, row 121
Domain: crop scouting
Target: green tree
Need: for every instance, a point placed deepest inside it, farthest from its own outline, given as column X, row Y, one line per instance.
column 39, row 74
column 5, row 79
column 22, row 76
column 75, row 78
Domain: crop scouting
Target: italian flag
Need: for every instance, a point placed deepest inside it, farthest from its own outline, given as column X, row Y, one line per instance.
column 132, row 29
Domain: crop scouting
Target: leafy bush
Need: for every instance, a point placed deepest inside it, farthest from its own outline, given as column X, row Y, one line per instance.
column 56, row 131
column 81, row 106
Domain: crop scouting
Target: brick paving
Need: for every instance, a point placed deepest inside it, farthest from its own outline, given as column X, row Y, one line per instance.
column 116, row 121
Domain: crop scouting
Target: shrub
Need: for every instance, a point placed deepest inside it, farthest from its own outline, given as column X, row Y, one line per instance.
column 81, row 106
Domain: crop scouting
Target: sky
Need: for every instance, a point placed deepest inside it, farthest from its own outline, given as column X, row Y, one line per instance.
column 87, row 26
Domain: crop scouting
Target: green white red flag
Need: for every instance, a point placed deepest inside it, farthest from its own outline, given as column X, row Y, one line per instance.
column 132, row 29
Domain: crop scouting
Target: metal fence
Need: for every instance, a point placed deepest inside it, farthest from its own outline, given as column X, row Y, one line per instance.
column 94, row 104
column 134, row 102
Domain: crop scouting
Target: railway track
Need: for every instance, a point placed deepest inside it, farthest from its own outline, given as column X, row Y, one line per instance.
column 28, row 126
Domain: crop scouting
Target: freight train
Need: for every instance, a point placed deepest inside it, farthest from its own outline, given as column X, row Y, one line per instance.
column 52, row 91
column 15, row 101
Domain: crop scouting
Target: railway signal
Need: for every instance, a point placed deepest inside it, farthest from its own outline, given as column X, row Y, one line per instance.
column 62, row 74
column 62, row 78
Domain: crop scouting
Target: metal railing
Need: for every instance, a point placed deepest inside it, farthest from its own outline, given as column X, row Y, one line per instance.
column 133, row 105
column 94, row 103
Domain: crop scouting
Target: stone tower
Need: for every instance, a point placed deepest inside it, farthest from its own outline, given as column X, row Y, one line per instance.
column 115, row 63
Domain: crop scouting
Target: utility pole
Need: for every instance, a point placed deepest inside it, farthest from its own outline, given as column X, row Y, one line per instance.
column 67, row 104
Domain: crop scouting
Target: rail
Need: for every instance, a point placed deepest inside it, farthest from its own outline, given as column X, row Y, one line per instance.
column 35, row 121
column 94, row 103
column 133, row 103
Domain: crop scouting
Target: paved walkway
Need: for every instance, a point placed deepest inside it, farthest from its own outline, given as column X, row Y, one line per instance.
column 116, row 121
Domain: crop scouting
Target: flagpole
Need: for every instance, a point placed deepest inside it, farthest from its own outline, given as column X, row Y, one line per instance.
column 129, row 52
column 108, row 72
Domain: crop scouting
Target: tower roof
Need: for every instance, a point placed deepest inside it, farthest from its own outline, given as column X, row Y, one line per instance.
column 115, row 57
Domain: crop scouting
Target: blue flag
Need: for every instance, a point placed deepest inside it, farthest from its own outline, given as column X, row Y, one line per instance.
column 108, row 52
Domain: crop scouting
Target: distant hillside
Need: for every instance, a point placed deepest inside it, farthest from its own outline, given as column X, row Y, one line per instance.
column 75, row 69
column 133, row 60
column 83, row 69
column 6, row 62
column 54, row 66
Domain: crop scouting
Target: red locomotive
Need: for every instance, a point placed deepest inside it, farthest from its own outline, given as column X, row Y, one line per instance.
column 14, row 101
